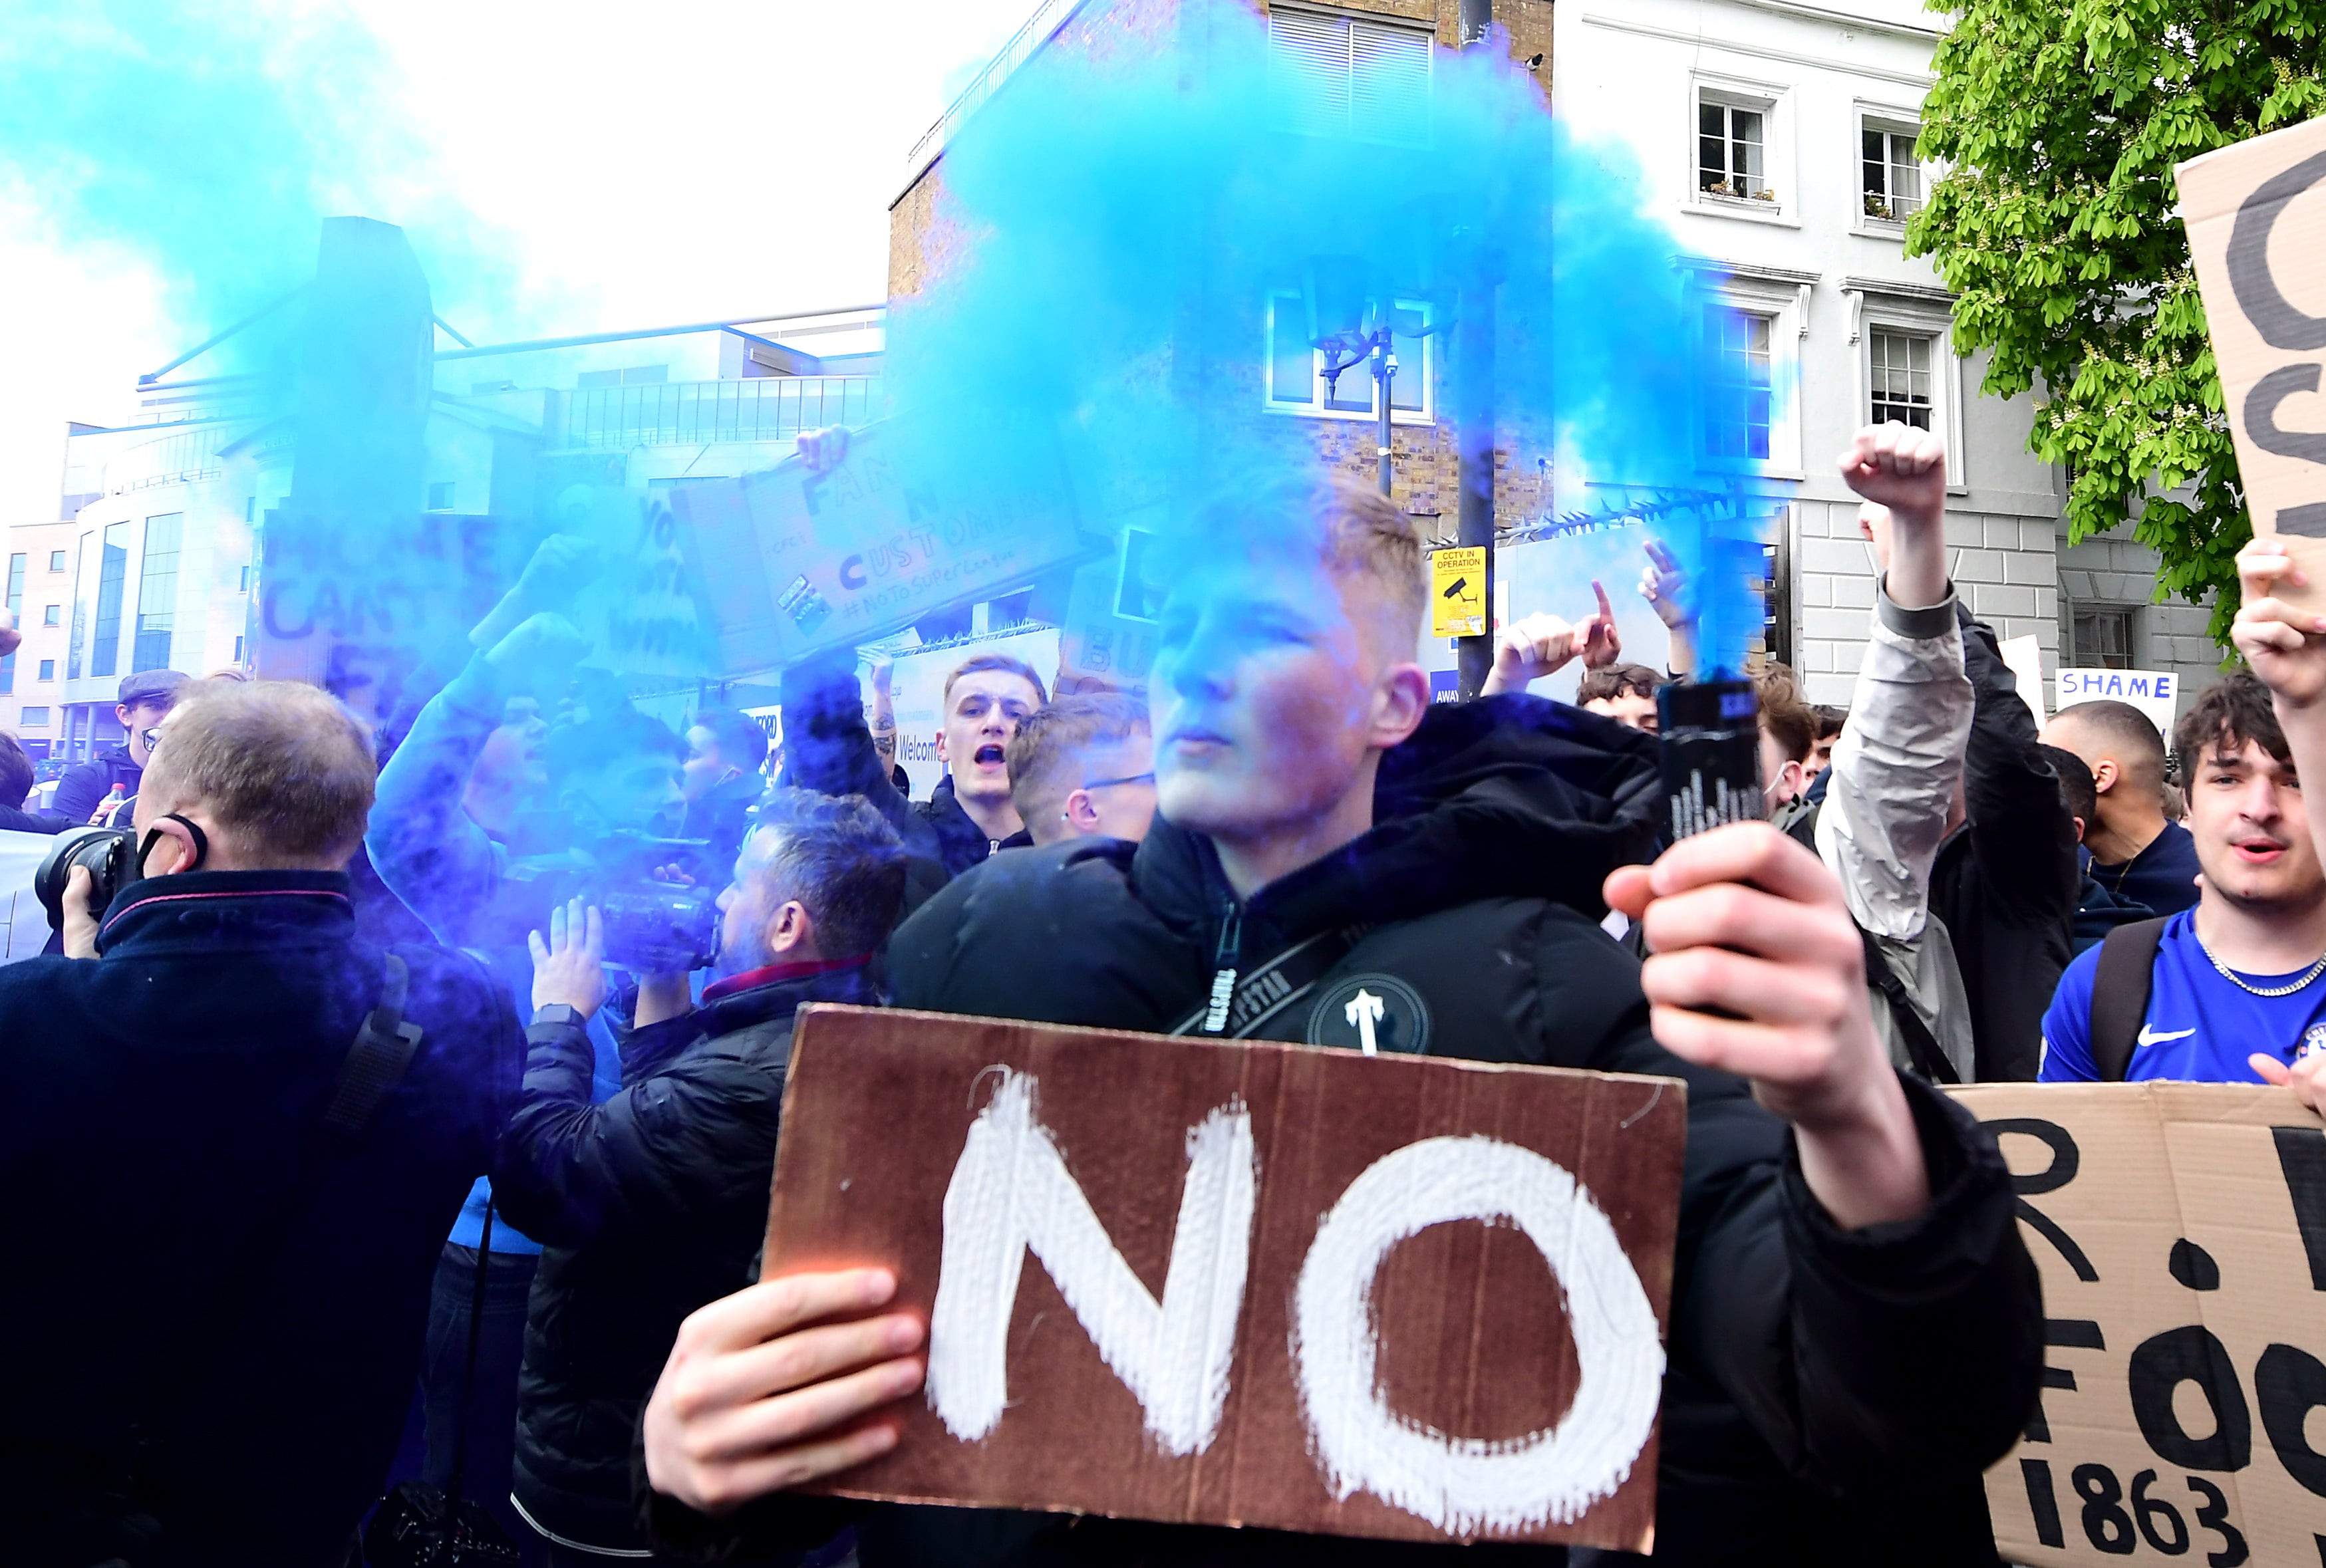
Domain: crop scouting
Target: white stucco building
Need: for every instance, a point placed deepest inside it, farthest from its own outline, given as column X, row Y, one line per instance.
column 1776, row 140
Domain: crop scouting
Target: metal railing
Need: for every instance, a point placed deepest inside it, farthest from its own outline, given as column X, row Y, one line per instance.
column 189, row 457
column 1048, row 18
column 692, row 413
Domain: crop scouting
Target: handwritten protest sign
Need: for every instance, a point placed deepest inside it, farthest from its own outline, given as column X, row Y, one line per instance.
column 1397, row 1296
column 2180, row 1232
column 2255, row 214
column 2155, row 693
column 788, row 562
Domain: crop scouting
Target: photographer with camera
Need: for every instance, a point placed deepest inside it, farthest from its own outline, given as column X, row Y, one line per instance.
column 653, row 1204
column 236, row 1137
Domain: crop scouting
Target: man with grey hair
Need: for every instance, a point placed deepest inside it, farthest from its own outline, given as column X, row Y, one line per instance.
column 233, row 1232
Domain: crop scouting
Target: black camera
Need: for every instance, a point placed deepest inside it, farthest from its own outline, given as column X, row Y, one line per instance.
column 651, row 925
column 658, row 928
column 1711, row 755
column 110, row 854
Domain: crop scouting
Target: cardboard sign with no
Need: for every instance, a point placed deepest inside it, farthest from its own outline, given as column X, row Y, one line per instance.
column 2180, row 1232
column 2256, row 218
column 1278, row 1286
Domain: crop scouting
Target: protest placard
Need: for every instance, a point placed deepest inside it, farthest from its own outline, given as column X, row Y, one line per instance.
column 788, row 563
column 2255, row 214
column 2180, row 1232
column 1393, row 1296
column 2155, row 693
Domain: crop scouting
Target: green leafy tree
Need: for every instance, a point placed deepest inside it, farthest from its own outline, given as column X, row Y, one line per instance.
column 2057, row 227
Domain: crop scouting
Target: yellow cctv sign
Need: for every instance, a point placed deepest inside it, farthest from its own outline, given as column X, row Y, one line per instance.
column 1457, row 591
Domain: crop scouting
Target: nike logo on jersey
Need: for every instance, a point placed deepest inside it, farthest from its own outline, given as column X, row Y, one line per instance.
column 2149, row 1036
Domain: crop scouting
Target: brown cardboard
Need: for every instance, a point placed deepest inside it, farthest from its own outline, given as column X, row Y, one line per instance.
column 2175, row 1225
column 1474, row 1339
column 2255, row 214
column 788, row 563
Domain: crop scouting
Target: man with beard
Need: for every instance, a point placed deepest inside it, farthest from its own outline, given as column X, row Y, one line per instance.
column 652, row 1203
column 1855, row 1326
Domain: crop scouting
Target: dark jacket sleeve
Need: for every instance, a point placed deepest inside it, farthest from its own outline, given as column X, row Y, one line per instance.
column 766, row 1527
column 78, row 791
column 425, row 848
column 667, row 1146
column 15, row 820
column 2020, row 826
column 828, row 746
column 1859, row 1358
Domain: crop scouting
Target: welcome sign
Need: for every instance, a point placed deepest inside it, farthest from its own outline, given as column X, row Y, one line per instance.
column 1244, row 1282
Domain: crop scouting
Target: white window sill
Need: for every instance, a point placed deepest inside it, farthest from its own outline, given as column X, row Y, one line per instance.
column 1740, row 207
column 1410, row 418
column 1871, row 227
column 1784, row 467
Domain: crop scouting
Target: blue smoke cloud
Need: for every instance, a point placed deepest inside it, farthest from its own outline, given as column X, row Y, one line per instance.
column 1115, row 225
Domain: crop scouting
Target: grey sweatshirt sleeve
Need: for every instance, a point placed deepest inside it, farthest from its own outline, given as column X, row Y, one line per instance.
column 1896, row 766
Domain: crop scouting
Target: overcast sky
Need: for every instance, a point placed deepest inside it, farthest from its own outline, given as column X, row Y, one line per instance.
column 649, row 164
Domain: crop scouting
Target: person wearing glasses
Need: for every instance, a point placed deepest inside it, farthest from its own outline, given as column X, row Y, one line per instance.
column 1083, row 768
column 144, row 699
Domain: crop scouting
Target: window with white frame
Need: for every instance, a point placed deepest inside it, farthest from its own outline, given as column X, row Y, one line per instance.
column 1890, row 177
column 1347, row 76
column 1741, row 411
column 1297, row 383
column 1902, row 376
column 1733, row 147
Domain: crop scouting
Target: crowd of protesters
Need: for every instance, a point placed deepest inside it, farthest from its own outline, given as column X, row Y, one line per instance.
column 360, row 1156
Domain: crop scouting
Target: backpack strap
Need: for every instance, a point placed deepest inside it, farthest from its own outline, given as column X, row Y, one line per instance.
column 2120, row 982
column 1252, row 999
column 1922, row 1047
column 376, row 1062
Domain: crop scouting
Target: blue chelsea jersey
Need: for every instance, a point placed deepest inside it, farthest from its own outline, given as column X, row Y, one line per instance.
column 2201, row 1027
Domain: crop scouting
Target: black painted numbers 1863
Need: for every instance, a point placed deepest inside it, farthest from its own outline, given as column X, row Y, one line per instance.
column 2117, row 1524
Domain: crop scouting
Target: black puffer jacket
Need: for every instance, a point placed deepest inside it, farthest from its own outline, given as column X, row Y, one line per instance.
column 646, row 1207
column 1824, row 1385
column 2006, row 882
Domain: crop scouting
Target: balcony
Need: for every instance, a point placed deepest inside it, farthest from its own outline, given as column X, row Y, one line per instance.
column 773, row 408
column 184, row 458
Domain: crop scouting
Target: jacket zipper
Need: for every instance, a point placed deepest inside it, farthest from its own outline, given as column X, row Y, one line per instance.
column 1224, row 959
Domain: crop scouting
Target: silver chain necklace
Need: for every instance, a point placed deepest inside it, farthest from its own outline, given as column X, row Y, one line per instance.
column 2234, row 978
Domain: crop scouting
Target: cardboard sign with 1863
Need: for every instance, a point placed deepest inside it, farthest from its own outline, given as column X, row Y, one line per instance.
column 1228, row 1282
column 358, row 611
column 2180, row 1232
column 788, row 563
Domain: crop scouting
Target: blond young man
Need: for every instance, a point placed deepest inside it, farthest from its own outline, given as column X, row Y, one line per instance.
column 1858, row 1331
column 1083, row 768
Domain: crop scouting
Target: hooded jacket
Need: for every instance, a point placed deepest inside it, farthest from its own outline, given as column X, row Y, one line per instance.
column 1823, row 1385
column 647, row 1207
